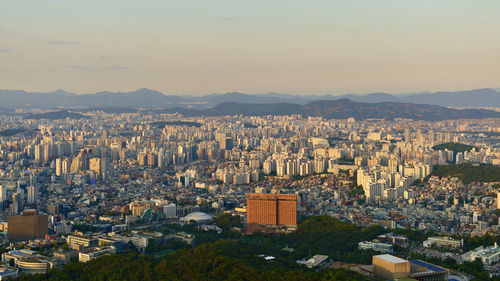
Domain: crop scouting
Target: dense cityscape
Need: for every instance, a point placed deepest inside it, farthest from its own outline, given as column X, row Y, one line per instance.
column 257, row 140
column 78, row 189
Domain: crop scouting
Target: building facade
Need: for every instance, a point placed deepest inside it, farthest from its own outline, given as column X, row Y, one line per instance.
column 27, row 226
column 272, row 209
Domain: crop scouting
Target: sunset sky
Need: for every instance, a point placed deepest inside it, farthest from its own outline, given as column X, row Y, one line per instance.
column 212, row 46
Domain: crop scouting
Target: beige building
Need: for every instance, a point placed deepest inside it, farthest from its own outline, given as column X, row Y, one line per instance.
column 390, row 267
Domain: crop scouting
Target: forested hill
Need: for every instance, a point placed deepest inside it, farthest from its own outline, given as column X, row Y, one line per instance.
column 457, row 147
column 468, row 173
column 234, row 257
column 342, row 109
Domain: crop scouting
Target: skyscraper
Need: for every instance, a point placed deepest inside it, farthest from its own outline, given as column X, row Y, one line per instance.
column 3, row 193
column 58, row 167
column 32, row 194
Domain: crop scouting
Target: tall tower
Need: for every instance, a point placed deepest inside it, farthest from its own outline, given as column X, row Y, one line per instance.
column 58, row 167
column 32, row 194
column 3, row 193
column 498, row 199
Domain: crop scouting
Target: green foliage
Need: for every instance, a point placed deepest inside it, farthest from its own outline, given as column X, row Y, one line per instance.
column 468, row 173
column 471, row 243
column 158, row 249
column 329, row 236
column 224, row 260
column 414, row 235
column 226, row 220
column 456, row 147
column 11, row 132
column 83, row 227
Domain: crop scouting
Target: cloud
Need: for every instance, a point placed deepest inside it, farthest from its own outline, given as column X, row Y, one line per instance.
column 117, row 67
column 64, row 42
column 3, row 50
column 79, row 67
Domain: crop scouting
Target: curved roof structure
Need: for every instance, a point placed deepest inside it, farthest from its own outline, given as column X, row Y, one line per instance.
column 197, row 217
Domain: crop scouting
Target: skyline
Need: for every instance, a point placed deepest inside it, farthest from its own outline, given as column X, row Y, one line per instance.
column 201, row 47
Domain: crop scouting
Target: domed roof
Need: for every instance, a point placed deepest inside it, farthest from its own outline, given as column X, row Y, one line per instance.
column 197, row 216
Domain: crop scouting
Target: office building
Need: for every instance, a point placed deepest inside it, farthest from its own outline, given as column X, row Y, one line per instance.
column 27, row 226
column 272, row 209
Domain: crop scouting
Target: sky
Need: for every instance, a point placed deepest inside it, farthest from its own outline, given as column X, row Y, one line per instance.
column 196, row 47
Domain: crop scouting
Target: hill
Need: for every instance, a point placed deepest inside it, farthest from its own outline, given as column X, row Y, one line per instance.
column 468, row 173
column 109, row 109
column 456, row 147
column 342, row 109
column 234, row 259
column 55, row 115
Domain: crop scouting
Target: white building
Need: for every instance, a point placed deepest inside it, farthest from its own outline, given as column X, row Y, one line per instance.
column 170, row 211
column 489, row 255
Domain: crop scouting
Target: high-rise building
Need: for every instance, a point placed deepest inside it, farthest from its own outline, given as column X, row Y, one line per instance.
column 39, row 153
column 58, row 167
column 66, row 166
column 498, row 200
column 32, row 194
column 272, row 209
column 3, row 193
column 27, row 226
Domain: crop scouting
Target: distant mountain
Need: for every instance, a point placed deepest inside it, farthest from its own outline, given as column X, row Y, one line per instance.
column 109, row 109
column 472, row 98
column 135, row 99
column 55, row 115
column 146, row 98
column 345, row 108
column 342, row 109
column 22, row 99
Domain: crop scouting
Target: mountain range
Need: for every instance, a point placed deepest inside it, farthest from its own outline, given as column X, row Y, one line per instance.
column 146, row 98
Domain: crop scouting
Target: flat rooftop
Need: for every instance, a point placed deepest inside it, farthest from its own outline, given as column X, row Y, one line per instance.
column 391, row 258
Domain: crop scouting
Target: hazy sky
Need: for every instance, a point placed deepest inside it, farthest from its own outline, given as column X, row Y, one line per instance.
column 207, row 46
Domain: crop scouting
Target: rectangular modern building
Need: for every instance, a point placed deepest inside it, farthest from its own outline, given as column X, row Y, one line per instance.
column 27, row 226
column 272, row 209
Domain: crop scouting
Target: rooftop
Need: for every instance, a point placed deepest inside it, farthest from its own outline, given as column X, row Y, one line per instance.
column 430, row 267
column 391, row 258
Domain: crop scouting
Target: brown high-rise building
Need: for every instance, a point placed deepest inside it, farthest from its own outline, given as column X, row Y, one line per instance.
column 272, row 209
column 27, row 226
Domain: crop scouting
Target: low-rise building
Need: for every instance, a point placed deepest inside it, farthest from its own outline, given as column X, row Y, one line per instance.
column 442, row 242
column 28, row 261
column 8, row 272
column 488, row 255
column 390, row 267
column 315, row 261
column 93, row 253
column 79, row 243
column 378, row 247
